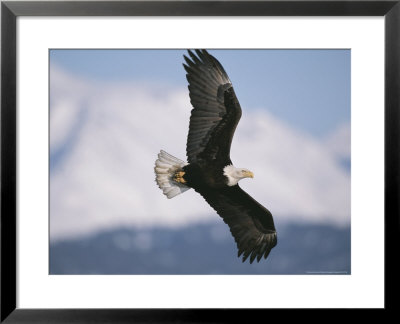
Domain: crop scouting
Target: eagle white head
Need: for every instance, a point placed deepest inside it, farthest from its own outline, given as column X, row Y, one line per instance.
column 235, row 174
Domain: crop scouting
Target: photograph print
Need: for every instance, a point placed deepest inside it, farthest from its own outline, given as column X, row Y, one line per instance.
column 200, row 161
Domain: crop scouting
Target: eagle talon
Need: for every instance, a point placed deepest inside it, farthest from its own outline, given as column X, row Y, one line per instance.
column 179, row 177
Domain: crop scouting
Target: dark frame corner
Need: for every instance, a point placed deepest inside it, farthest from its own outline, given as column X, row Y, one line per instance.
column 10, row 10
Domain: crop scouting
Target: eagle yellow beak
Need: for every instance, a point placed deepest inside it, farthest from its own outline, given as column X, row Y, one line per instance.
column 249, row 174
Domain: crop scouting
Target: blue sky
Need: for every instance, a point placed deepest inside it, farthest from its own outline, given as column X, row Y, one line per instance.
column 309, row 89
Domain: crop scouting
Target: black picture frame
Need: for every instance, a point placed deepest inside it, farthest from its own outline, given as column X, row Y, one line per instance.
column 10, row 10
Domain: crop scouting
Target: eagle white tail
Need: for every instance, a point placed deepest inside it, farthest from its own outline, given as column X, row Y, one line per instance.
column 165, row 169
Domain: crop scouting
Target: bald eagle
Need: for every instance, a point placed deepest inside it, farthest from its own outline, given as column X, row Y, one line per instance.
column 209, row 169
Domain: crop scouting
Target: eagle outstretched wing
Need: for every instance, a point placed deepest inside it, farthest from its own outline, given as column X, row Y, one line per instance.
column 251, row 224
column 213, row 121
column 216, row 110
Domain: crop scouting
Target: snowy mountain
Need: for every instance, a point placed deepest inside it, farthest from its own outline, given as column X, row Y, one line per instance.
column 104, row 138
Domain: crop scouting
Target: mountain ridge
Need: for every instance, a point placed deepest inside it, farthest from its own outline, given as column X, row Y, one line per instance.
column 206, row 248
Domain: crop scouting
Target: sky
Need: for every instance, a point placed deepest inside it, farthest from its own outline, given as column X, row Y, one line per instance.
column 310, row 89
column 112, row 111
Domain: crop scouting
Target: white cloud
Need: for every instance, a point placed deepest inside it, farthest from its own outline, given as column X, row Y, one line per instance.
column 106, row 179
column 339, row 141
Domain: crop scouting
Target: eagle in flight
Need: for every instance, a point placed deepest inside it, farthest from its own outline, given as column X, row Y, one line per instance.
column 209, row 169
